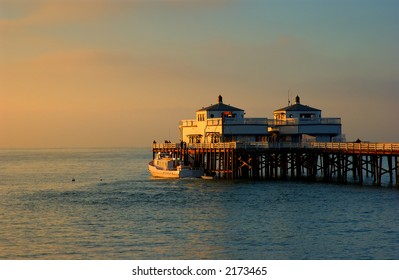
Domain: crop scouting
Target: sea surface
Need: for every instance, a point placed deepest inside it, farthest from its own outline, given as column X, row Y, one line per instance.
column 114, row 210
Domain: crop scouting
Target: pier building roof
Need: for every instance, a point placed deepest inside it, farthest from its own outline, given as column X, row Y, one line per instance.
column 220, row 106
column 297, row 107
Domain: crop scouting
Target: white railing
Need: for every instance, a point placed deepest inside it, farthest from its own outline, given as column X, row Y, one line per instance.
column 358, row 147
column 245, row 121
column 369, row 148
column 263, row 121
column 214, row 121
column 189, row 123
column 295, row 121
column 223, row 145
column 166, row 145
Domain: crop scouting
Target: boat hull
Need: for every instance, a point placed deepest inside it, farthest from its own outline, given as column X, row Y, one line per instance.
column 205, row 177
column 181, row 173
column 156, row 172
column 191, row 173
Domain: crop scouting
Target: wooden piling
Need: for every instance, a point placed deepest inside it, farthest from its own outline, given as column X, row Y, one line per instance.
column 397, row 170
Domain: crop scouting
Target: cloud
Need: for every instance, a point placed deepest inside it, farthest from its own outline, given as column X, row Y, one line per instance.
column 97, row 77
column 19, row 13
column 32, row 28
column 26, row 14
column 97, row 96
column 192, row 3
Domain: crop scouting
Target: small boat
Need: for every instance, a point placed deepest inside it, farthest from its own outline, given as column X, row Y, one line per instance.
column 209, row 176
column 165, row 166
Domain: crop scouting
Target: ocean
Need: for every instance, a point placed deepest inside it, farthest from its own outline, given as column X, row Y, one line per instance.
column 103, row 204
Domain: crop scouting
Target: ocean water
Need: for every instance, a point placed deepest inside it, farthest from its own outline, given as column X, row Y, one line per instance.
column 115, row 210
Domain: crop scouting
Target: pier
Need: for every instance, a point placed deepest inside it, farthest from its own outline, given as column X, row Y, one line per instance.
column 360, row 163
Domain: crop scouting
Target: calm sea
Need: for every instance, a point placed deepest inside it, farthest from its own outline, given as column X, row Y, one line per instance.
column 115, row 210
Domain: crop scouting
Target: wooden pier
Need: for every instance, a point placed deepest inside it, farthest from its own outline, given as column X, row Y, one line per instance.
column 361, row 163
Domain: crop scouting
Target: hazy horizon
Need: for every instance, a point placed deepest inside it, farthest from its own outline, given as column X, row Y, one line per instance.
column 122, row 73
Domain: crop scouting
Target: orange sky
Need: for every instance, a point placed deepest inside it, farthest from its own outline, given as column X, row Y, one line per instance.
column 101, row 73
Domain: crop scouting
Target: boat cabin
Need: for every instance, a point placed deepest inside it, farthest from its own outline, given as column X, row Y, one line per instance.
column 165, row 161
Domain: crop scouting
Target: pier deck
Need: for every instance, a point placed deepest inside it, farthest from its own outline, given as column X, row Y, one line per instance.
column 377, row 163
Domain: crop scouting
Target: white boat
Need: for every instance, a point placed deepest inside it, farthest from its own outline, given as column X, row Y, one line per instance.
column 164, row 166
column 207, row 177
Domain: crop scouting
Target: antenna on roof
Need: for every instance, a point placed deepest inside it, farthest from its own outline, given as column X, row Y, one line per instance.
column 289, row 99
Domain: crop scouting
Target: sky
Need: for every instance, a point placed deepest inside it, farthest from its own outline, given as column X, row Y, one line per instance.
column 122, row 73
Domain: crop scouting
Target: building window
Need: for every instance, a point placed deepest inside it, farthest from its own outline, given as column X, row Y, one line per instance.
column 307, row 116
column 201, row 117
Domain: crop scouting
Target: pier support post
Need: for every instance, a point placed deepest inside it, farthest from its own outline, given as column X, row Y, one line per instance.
column 390, row 169
column 339, row 167
column 354, row 167
column 346, row 168
column 379, row 170
column 283, row 165
column 271, row 164
column 360, row 166
column 397, row 170
column 326, row 167
column 292, row 164
column 373, row 163
column 298, row 163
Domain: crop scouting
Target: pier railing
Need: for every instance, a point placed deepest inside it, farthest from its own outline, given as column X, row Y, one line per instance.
column 264, row 121
column 295, row 121
column 219, row 121
column 222, row 145
column 365, row 148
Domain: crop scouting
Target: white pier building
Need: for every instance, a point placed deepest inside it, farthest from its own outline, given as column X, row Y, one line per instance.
column 297, row 123
column 224, row 123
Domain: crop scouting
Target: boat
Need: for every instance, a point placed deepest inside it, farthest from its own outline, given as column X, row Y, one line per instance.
column 165, row 166
column 209, row 176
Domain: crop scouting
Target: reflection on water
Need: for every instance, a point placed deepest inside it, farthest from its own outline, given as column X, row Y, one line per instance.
column 114, row 210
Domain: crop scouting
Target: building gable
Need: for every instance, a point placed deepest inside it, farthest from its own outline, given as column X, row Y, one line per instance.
column 220, row 106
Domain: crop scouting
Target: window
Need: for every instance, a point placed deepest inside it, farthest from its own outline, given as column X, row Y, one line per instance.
column 307, row 116
column 201, row 117
column 228, row 115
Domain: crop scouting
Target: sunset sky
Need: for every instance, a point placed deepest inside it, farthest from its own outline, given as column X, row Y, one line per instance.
column 121, row 73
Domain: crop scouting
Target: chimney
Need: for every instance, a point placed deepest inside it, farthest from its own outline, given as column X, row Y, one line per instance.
column 297, row 100
column 220, row 99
